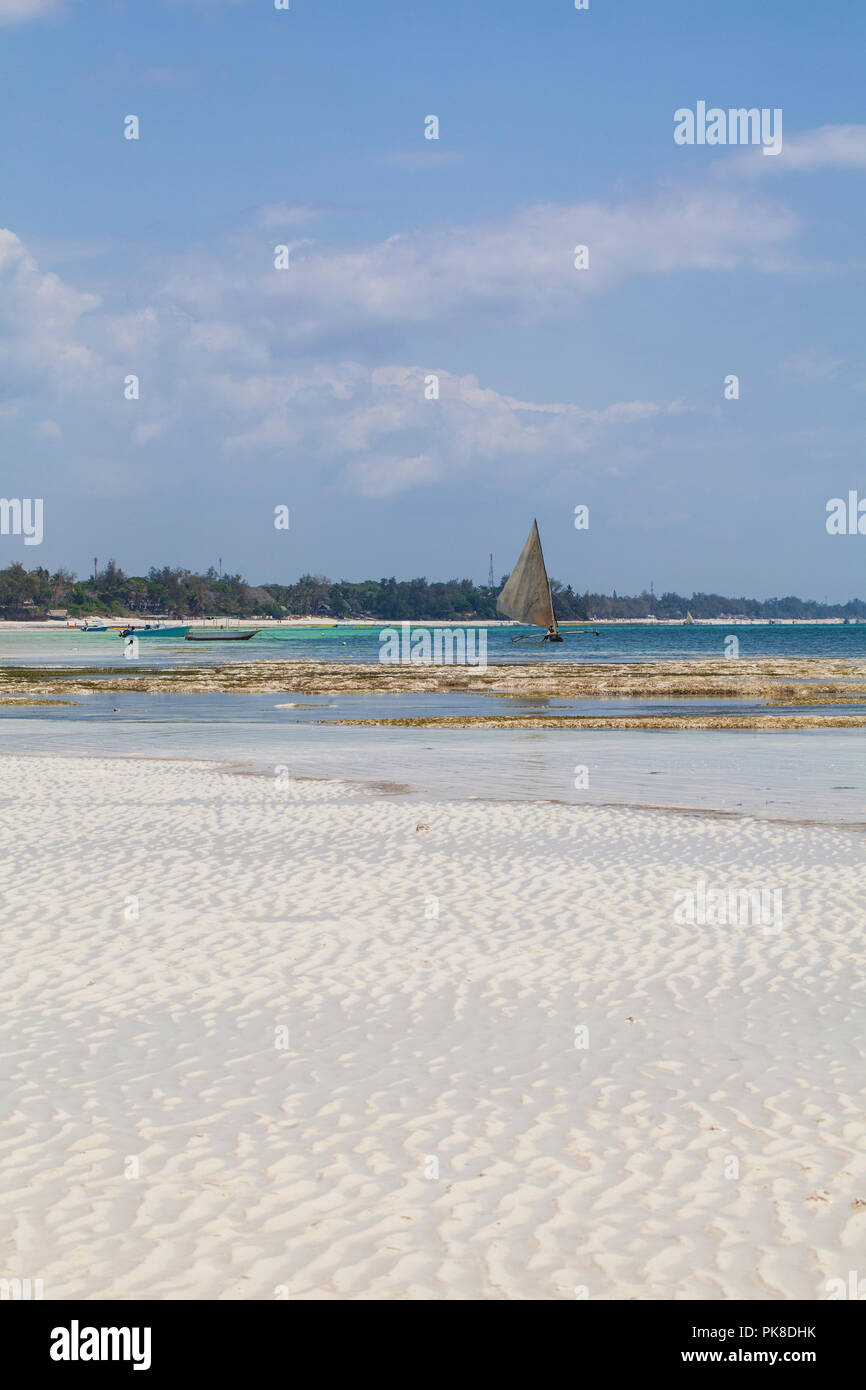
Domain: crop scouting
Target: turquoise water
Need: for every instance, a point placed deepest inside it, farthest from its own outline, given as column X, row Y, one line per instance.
column 655, row 642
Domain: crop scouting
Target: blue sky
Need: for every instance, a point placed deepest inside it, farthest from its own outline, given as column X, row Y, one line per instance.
column 409, row 257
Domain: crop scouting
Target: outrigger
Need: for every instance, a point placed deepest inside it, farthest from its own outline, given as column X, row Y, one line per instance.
column 527, row 595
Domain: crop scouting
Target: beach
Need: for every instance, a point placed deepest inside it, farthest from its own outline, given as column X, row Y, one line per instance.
column 271, row 1036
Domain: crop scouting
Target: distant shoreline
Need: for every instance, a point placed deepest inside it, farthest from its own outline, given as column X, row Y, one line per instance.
column 60, row 625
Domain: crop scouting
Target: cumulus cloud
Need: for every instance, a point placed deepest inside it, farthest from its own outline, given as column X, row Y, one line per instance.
column 271, row 369
column 40, row 322
column 827, row 147
column 520, row 267
column 370, row 428
column 371, row 421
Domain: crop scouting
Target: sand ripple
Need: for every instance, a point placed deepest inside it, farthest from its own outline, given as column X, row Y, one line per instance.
column 431, row 1130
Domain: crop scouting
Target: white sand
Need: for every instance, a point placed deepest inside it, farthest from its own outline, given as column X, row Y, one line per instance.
column 414, row 1039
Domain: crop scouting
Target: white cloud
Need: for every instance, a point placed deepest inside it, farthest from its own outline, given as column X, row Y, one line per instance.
column 520, row 267
column 151, row 429
column 370, row 422
column 213, row 383
column 815, row 365
column 262, row 366
column 831, row 146
column 827, row 147
column 40, row 321
column 18, row 11
column 385, row 477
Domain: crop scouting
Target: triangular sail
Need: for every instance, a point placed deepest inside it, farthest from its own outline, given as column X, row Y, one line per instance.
column 526, row 595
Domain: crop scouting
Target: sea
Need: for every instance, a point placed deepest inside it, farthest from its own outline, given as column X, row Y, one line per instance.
column 617, row 642
column 812, row 776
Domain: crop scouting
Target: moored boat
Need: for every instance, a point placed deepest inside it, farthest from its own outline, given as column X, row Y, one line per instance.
column 149, row 631
column 221, row 634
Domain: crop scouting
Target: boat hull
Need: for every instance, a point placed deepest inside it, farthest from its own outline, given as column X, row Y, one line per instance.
column 228, row 635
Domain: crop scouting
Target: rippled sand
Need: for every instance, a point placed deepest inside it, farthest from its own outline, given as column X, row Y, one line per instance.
column 430, row 1130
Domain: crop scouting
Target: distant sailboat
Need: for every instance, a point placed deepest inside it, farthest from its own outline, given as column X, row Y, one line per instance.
column 526, row 596
column 689, row 618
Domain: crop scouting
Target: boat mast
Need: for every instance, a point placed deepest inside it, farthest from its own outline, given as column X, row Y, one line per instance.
column 553, row 623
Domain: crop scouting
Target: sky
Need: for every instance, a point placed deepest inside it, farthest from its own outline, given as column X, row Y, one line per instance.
column 409, row 258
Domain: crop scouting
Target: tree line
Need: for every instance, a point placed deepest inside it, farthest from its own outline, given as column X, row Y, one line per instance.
column 181, row 593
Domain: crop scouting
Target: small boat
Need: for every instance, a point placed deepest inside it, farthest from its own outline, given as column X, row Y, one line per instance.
column 149, row 631
column 103, row 627
column 527, row 596
column 221, row 634
column 688, row 619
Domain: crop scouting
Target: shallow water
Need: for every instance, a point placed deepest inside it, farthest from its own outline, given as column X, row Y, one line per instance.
column 297, row 707
column 819, row 775
column 619, row 643
column 815, row 775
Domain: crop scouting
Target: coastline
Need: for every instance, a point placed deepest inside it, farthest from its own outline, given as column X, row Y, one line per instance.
column 140, row 620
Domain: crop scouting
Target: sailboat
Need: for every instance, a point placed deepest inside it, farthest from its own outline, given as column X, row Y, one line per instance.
column 688, row 619
column 526, row 595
